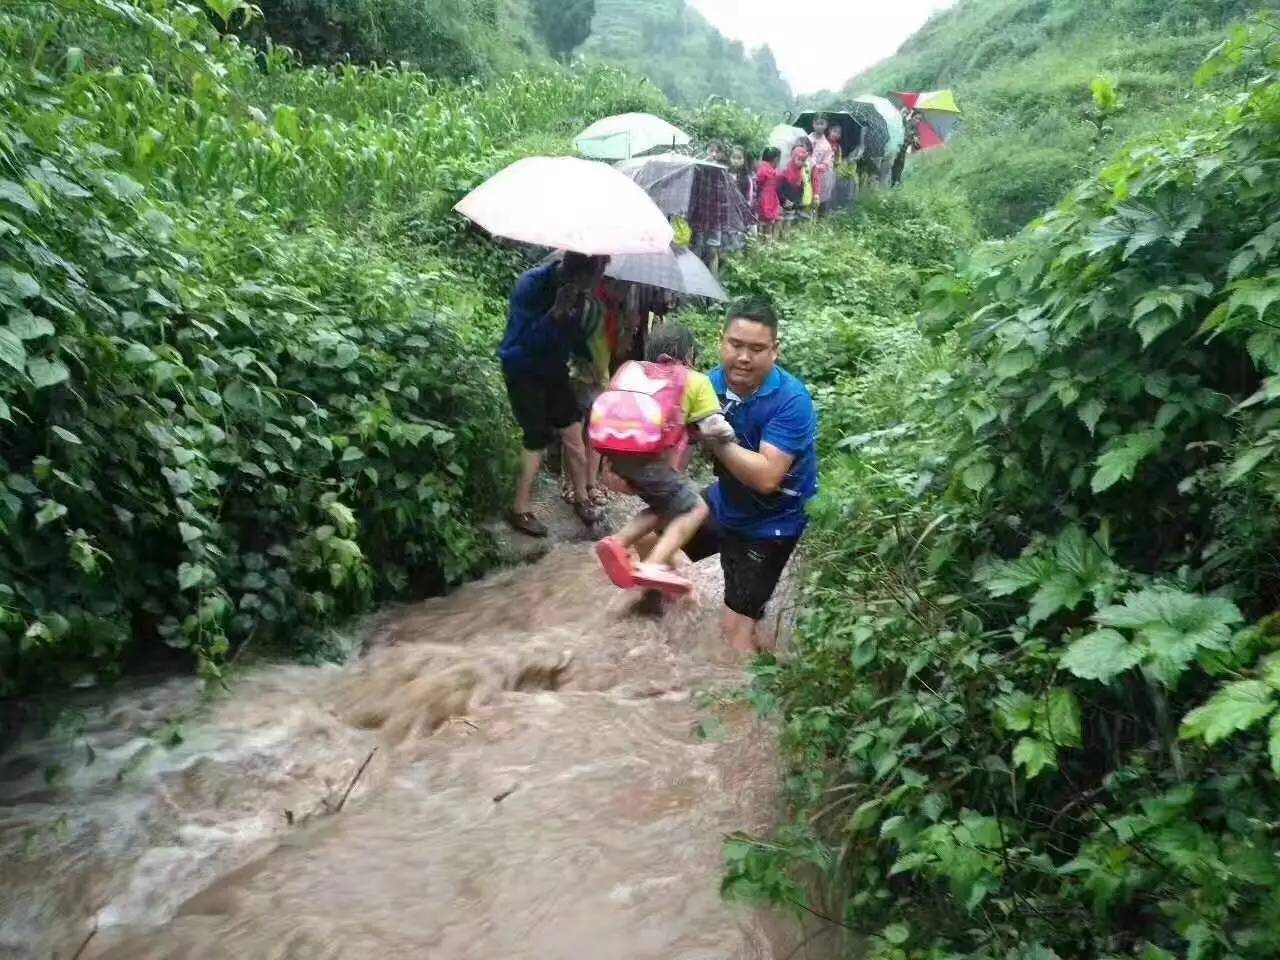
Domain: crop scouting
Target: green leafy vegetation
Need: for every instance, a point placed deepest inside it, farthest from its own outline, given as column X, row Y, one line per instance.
column 235, row 304
column 1027, row 74
column 444, row 38
column 1032, row 710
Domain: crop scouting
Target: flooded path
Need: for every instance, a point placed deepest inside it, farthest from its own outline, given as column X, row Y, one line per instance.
column 553, row 770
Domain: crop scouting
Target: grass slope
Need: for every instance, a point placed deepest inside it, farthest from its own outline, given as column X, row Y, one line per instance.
column 1022, row 71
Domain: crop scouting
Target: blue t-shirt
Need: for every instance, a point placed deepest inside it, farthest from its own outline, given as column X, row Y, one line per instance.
column 535, row 342
column 781, row 414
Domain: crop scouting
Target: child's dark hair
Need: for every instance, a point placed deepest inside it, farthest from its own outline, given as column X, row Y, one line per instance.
column 771, row 155
column 671, row 340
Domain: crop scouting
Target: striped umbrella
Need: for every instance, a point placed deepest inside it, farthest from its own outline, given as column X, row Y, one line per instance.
column 940, row 115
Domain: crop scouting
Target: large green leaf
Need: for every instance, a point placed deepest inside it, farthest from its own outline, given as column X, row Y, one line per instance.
column 1035, row 756
column 1061, row 722
column 1008, row 577
column 12, row 352
column 17, row 285
column 17, row 194
column 1063, row 591
column 1101, row 655
column 1256, row 296
column 25, row 325
column 1235, row 707
column 1173, row 627
column 1090, row 412
column 45, row 372
column 1122, row 458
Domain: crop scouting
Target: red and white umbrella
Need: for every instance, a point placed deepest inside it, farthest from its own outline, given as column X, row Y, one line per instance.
column 569, row 204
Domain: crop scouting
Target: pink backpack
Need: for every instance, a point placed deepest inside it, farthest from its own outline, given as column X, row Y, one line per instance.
column 641, row 411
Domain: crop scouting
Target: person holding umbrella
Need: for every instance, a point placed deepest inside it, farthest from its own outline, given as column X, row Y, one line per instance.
column 544, row 328
column 593, row 212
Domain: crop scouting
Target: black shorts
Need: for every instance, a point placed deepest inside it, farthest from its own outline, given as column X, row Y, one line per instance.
column 542, row 405
column 752, row 568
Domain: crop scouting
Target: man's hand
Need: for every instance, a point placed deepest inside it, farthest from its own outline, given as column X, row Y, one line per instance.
column 716, row 429
column 566, row 301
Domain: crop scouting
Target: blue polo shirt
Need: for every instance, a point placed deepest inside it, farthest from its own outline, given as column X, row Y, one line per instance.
column 781, row 414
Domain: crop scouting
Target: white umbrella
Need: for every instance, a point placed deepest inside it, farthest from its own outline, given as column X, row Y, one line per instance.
column 784, row 137
column 569, row 204
column 628, row 135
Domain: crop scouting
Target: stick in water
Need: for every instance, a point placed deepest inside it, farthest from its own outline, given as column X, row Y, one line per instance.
column 352, row 785
column 92, row 933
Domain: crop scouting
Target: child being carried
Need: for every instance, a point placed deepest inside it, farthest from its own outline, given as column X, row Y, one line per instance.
column 642, row 422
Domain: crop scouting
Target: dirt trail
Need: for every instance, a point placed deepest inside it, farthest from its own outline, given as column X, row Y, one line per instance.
column 555, row 767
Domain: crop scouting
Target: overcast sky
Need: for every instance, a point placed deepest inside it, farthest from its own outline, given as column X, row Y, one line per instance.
column 823, row 42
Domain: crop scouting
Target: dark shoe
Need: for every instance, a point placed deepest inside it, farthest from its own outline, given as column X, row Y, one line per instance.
column 527, row 524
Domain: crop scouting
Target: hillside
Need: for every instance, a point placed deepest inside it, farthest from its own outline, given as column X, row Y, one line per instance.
column 444, row 38
column 683, row 54
column 1022, row 70
column 667, row 41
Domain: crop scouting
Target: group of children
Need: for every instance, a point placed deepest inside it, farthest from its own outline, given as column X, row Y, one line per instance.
column 802, row 188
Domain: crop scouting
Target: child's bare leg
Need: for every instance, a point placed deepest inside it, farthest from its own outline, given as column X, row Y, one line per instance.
column 638, row 527
column 678, row 533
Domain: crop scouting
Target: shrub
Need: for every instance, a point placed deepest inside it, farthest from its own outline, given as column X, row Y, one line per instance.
column 246, row 374
column 1026, row 712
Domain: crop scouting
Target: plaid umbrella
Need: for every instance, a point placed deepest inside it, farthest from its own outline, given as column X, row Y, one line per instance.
column 704, row 193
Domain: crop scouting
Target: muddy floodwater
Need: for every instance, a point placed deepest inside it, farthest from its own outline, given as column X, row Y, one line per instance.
column 553, row 770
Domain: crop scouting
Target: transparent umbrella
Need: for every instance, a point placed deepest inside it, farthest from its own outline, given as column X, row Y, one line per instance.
column 628, row 135
column 677, row 270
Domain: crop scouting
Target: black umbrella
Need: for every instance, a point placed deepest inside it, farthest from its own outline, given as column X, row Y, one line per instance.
column 875, row 130
column 851, row 129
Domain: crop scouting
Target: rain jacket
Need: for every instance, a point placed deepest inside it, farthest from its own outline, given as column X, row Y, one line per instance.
column 535, row 342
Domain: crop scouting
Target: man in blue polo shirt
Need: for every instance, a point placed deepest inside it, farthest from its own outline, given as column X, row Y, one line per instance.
column 764, row 480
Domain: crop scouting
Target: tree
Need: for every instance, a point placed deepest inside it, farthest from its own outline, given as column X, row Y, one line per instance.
column 564, row 24
column 765, row 64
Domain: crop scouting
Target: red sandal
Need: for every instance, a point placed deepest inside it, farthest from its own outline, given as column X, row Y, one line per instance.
column 667, row 582
column 616, row 560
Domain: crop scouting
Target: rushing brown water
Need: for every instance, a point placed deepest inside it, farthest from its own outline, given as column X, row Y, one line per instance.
column 555, row 769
